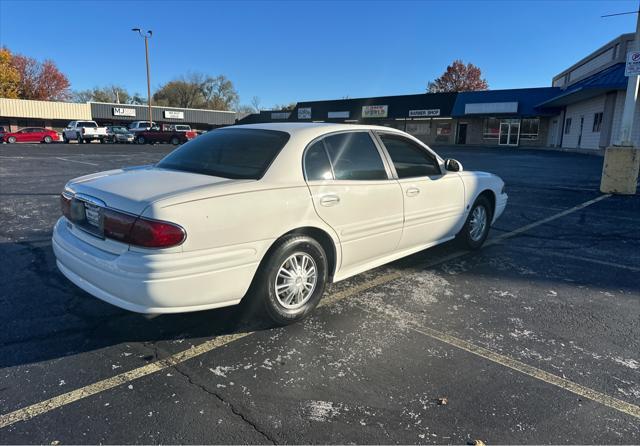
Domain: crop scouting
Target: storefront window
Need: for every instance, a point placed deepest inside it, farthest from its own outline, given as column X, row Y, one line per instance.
column 443, row 131
column 418, row 128
column 491, row 129
column 529, row 128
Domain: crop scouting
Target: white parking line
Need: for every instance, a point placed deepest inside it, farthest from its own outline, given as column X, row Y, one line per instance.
column 48, row 405
column 76, row 161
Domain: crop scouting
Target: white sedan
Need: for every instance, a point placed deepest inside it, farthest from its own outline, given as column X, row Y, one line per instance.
column 272, row 212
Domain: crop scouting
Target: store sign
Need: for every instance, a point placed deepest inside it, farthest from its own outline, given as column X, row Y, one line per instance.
column 304, row 113
column 375, row 111
column 280, row 115
column 121, row 111
column 173, row 114
column 424, row 113
column 338, row 114
column 488, row 108
column 633, row 64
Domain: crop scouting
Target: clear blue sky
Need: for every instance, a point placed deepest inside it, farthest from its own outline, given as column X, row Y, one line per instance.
column 290, row 51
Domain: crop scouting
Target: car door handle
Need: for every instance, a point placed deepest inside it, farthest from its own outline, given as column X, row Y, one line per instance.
column 329, row 200
column 412, row 191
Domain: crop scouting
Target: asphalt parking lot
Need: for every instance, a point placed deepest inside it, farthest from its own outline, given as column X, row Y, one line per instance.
column 533, row 339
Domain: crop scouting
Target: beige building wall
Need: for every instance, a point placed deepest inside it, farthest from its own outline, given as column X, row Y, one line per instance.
column 20, row 108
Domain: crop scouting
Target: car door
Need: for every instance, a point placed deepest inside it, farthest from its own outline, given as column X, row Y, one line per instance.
column 433, row 197
column 354, row 193
column 37, row 134
column 25, row 135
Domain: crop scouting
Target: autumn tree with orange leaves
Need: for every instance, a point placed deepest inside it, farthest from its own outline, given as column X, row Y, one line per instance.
column 459, row 77
column 24, row 77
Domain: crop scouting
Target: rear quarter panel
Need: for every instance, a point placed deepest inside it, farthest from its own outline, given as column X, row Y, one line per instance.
column 250, row 220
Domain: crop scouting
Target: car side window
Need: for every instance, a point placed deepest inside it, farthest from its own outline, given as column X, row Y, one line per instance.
column 409, row 159
column 316, row 163
column 354, row 156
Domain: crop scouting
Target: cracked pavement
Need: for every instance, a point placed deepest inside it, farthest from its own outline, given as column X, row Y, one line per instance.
column 563, row 297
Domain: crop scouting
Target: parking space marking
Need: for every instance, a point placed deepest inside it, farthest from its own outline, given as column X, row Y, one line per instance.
column 514, row 364
column 581, row 258
column 535, row 224
column 76, row 161
column 43, row 407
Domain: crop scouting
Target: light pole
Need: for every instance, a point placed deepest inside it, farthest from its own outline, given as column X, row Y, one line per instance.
column 146, row 35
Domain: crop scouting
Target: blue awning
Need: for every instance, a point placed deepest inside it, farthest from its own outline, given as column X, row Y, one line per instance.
column 607, row 80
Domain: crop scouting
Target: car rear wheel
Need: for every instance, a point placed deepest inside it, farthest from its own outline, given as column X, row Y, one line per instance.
column 47, row 139
column 11, row 140
column 79, row 138
column 291, row 281
column 476, row 228
column 140, row 140
column 175, row 141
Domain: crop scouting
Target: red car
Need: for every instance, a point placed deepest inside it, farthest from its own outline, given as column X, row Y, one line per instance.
column 31, row 134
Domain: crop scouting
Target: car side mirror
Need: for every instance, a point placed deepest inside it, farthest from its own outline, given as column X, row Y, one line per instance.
column 452, row 165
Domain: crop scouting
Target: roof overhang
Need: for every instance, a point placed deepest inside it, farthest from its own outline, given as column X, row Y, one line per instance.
column 577, row 95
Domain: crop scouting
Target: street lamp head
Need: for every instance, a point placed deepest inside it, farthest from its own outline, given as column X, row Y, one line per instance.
column 135, row 29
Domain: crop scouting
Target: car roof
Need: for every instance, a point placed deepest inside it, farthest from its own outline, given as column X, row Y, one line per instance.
column 311, row 129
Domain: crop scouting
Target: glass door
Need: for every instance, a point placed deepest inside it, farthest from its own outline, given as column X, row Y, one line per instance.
column 509, row 132
column 504, row 134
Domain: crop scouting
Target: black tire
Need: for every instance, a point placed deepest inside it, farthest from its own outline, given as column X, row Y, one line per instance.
column 175, row 141
column 140, row 140
column 47, row 140
column 466, row 236
column 64, row 139
column 262, row 294
column 11, row 140
column 102, row 141
column 79, row 138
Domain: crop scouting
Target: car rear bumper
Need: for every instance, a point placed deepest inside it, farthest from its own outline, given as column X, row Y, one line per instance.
column 154, row 282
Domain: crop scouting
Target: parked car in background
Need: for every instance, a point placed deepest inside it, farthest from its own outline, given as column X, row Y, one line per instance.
column 2, row 132
column 139, row 126
column 119, row 134
column 84, row 131
column 278, row 209
column 164, row 134
column 31, row 134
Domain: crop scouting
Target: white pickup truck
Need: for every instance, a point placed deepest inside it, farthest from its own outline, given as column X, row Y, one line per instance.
column 84, row 131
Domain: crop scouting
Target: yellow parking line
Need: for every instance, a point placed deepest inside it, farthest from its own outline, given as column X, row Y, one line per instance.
column 514, row 364
column 42, row 407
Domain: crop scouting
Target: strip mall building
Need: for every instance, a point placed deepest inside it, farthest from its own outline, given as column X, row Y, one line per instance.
column 581, row 109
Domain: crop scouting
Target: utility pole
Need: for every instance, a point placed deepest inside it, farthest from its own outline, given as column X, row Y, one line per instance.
column 147, row 35
column 622, row 159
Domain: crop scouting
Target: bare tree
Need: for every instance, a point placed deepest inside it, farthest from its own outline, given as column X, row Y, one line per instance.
column 255, row 102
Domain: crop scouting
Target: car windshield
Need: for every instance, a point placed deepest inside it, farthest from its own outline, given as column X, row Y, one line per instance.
column 229, row 153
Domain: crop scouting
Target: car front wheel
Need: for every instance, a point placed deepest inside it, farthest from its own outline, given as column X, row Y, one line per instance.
column 476, row 228
column 47, row 140
column 291, row 281
column 140, row 140
column 11, row 140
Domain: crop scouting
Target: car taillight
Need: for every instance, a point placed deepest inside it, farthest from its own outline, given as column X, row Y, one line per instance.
column 132, row 230
column 65, row 205
column 155, row 234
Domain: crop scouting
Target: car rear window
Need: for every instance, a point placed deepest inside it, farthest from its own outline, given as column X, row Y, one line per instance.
column 228, row 153
column 87, row 124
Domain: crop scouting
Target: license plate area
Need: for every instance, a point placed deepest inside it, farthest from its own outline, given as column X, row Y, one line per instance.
column 88, row 216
